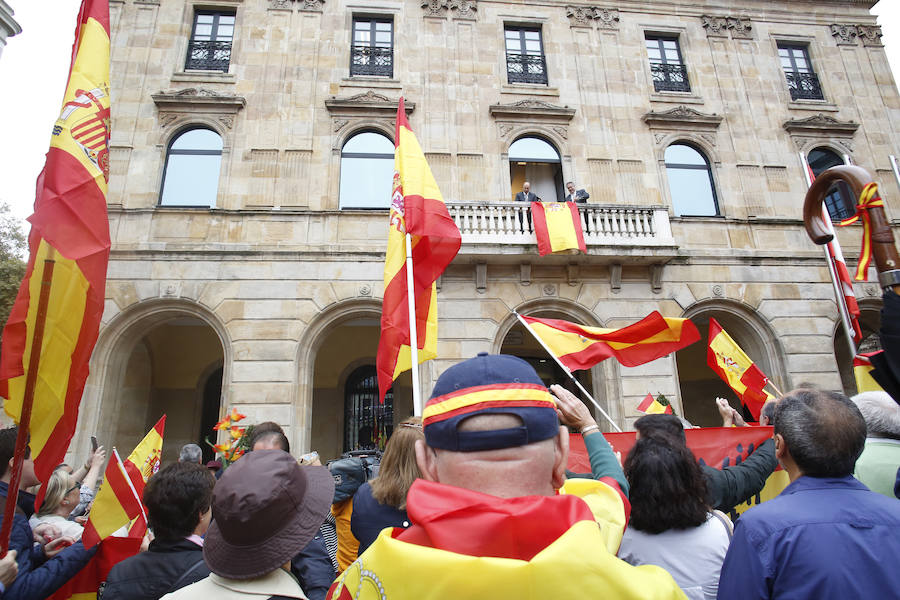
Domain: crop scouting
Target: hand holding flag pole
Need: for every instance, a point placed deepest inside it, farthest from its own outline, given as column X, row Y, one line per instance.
column 567, row 372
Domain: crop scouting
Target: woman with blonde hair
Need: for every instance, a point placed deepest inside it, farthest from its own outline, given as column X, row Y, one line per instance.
column 61, row 498
column 381, row 502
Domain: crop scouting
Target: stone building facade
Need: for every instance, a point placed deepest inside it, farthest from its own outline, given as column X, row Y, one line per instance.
column 248, row 244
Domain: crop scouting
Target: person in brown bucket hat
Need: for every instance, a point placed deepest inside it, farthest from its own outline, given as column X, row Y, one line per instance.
column 265, row 509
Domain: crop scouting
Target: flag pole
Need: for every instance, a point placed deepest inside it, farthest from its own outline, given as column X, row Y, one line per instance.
column 34, row 358
column 567, row 372
column 778, row 393
column 895, row 168
column 413, row 337
column 832, row 270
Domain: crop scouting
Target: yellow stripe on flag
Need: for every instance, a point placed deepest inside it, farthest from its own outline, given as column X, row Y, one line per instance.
column 560, row 227
column 864, row 380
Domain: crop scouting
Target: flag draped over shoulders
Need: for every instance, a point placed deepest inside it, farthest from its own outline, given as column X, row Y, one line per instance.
column 69, row 244
column 417, row 208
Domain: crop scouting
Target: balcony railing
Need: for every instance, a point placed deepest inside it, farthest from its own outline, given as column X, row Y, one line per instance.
column 804, row 86
column 508, row 223
column 371, row 60
column 669, row 77
column 209, row 56
column 526, row 68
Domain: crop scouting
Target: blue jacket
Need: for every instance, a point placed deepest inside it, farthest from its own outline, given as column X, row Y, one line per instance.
column 39, row 577
column 313, row 570
column 821, row 538
column 370, row 517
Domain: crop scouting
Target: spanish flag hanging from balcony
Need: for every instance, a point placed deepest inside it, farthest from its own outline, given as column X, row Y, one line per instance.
column 417, row 207
column 69, row 247
column 736, row 369
column 579, row 347
column 118, row 501
column 557, row 227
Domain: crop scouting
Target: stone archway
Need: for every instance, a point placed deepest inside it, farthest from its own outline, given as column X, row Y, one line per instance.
column 870, row 325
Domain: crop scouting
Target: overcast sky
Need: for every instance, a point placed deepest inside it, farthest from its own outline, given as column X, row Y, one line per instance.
column 34, row 65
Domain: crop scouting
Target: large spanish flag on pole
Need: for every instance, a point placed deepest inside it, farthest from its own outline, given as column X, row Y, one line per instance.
column 46, row 357
column 118, row 501
column 580, row 347
column 736, row 369
column 557, row 227
column 421, row 228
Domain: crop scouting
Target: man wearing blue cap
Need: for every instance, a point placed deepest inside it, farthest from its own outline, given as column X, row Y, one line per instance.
column 494, row 516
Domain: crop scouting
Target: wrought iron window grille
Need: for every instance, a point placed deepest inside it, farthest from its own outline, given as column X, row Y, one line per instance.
column 372, row 60
column 670, row 77
column 209, row 55
column 526, row 68
column 804, row 86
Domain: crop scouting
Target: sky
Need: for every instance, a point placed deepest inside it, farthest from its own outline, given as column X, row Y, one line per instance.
column 33, row 71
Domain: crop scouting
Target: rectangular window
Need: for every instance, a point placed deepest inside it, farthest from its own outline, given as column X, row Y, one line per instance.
column 210, row 46
column 372, row 52
column 801, row 79
column 525, row 56
column 666, row 66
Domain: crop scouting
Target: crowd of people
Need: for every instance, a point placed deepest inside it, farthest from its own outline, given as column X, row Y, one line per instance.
column 474, row 500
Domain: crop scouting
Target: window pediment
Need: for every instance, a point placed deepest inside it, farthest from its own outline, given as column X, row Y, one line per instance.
column 532, row 109
column 367, row 104
column 821, row 125
column 192, row 99
column 682, row 117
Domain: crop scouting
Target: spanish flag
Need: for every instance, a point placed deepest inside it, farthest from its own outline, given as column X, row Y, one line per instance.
column 862, row 372
column 85, row 583
column 418, row 208
column 118, row 501
column 736, row 369
column 557, row 227
column 69, row 248
column 651, row 406
column 579, row 347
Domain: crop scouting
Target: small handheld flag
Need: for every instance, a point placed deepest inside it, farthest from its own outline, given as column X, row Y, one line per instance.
column 652, row 406
column 736, row 369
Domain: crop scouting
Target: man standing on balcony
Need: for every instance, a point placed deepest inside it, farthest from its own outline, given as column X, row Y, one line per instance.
column 526, row 196
column 580, row 197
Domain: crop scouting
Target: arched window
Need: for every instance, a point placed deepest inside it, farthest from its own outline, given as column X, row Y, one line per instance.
column 690, row 182
column 840, row 201
column 536, row 161
column 191, row 176
column 367, row 423
column 367, row 171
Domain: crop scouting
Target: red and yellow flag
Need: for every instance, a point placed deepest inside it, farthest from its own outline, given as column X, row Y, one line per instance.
column 651, row 406
column 557, row 227
column 579, row 347
column 85, row 583
column 417, row 208
column 736, row 369
column 862, row 372
column 118, row 501
column 70, row 239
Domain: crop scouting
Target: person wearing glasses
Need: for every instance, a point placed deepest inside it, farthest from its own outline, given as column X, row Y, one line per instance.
column 61, row 498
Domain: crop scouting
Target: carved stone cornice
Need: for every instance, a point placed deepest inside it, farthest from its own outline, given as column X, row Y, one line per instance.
column 846, row 34
column 307, row 5
column 681, row 116
column 366, row 104
column 530, row 109
column 464, row 9
column 192, row 99
column 738, row 27
column 435, row 8
column 870, row 35
column 585, row 16
column 821, row 125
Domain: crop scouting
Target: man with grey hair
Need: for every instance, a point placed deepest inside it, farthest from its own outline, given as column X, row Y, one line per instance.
column 826, row 535
column 878, row 464
column 190, row 453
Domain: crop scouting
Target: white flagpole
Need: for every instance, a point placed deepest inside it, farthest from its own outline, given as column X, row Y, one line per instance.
column 413, row 337
column 832, row 270
column 130, row 484
column 567, row 371
column 895, row 168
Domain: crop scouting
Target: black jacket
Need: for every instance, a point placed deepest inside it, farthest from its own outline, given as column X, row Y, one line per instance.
column 156, row 572
column 730, row 486
column 313, row 570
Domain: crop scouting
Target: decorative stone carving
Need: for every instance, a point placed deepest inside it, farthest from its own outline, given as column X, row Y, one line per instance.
column 740, row 29
column 435, row 8
column 583, row 16
column 481, row 277
column 580, row 16
column 198, row 101
column 607, row 18
column 845, row 34
column 167, row 118
column 365, row 290
column 227, row 121
column 464, row 9
column 572, row 273
column 718, row 290
column 312, row 5
column 656, row 272
column 532, row 108
column 869, row 34
column 821, row 125
column 709, row 138
column 715, row 26
column 563, row 132
column 659, row 137
column 680, row 116
column 280, row 4
column 615, row 278
column 367, row 103
column 338, row 124
column 525, row 273
column 549, row 289
column 505, row 128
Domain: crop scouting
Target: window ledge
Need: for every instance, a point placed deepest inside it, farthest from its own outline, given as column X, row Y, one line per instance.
column 816, row 105
column 203, row 77
column 678, row 97
column 360, row 81
column 530, row 89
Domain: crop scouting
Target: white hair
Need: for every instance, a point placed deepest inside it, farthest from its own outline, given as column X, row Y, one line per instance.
column 881, row 413
column 190, row 453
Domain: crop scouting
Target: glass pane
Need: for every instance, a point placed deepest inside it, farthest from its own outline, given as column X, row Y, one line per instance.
column 684, row 155
column 369, row 143
column 383, row 26
column 532, row 35
column 205, row 18
column 226, row 20
column 202, row 32
column 366, row 182
column 691, row 192
column 191, row 180
column 529, row 148
column 198, row 139
column 225, row 32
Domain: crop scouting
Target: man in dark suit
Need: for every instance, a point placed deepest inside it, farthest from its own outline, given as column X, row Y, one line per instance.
column 580, row 197
column 526, row 196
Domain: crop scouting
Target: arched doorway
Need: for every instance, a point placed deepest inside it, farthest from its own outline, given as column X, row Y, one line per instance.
column 699, row 384
column 167, row 363
column 870, row 325
column 346, row 413
column 537, row 161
